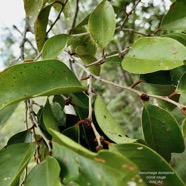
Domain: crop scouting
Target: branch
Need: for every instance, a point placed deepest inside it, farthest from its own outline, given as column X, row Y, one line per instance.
column 58, row 17
column 102, row 60
column 35, row 122
column 136, row 32
column 75, row 16
column 26, row 39
column 128, row 14
column 139, row 93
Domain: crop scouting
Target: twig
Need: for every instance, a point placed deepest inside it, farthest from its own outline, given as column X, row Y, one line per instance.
column 101, row 61
column 26, row 39
column 139, row 93
column 58, row 17
column 128, row 14
column 136, row 32
column 75, row 16
column 90, row 93
column 35, row 122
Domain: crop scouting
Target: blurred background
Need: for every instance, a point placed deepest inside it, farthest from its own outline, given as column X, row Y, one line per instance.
column 124, row 106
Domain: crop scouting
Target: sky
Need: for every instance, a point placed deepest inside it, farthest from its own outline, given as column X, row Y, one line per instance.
column 12, row 12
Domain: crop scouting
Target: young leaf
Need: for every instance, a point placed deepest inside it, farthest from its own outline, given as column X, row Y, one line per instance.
column 40, row 26
column 181, row 88
column 14, row 157
column 161, row 131
column 6, row 113
column 35, row 79
column 54, row 46
column 87, row 168
column 153, row 54
column 108, row 125
column 176, row 17
column 149, row 163
column 47, row 172
column 102, row 23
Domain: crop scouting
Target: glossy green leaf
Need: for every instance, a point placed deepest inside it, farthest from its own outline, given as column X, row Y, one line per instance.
column 181, row 88
column 54, row 46
column 108, row 125
column 87, row 168
column 73, row 133
column 6, row 113
column 102, row 23
column 13, row 160
column 47, row 173
column 40, row 78
column 21, row 137
column 161, row 83
column 40, row 26
column 49, row 120
column 32, row 9
column 161, row 131
column 151, row 165
column 153, row 54
column 95, row 69
column 184, row 128
column 177, row 36
column 175, row 19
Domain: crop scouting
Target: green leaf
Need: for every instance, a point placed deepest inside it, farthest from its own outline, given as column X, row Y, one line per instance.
column 181, row 88
column 102, row 23
column 161, row 131
column 47, row 173
column 153, row 54
column 49, row 120
column 73, row 133
column 151, row 165
column 21, row 137
column 54, row 46
column 40, row 78
column 32, row 9
column 177, row 36
column 175, row 19
column 13, row 160
column 87, row 168
column 6, row 113
column 40, row 26
column 108, row 125
column 184, row 128
column 160, row 83
column 95, row 69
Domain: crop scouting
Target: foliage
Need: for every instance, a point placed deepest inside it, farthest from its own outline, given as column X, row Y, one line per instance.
column 73, row 137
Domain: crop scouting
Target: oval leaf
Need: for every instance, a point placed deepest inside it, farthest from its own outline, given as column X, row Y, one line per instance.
column 54, row 46
column 153, row 54
column 102, row 23
column 176, row 17
column 181, row 88
column 150, row 164
column 15, row 158
column 108, row 125
column 34, row 79
column 40, row 26
column 48, row 173
column 161, row 131
column 87, row 168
